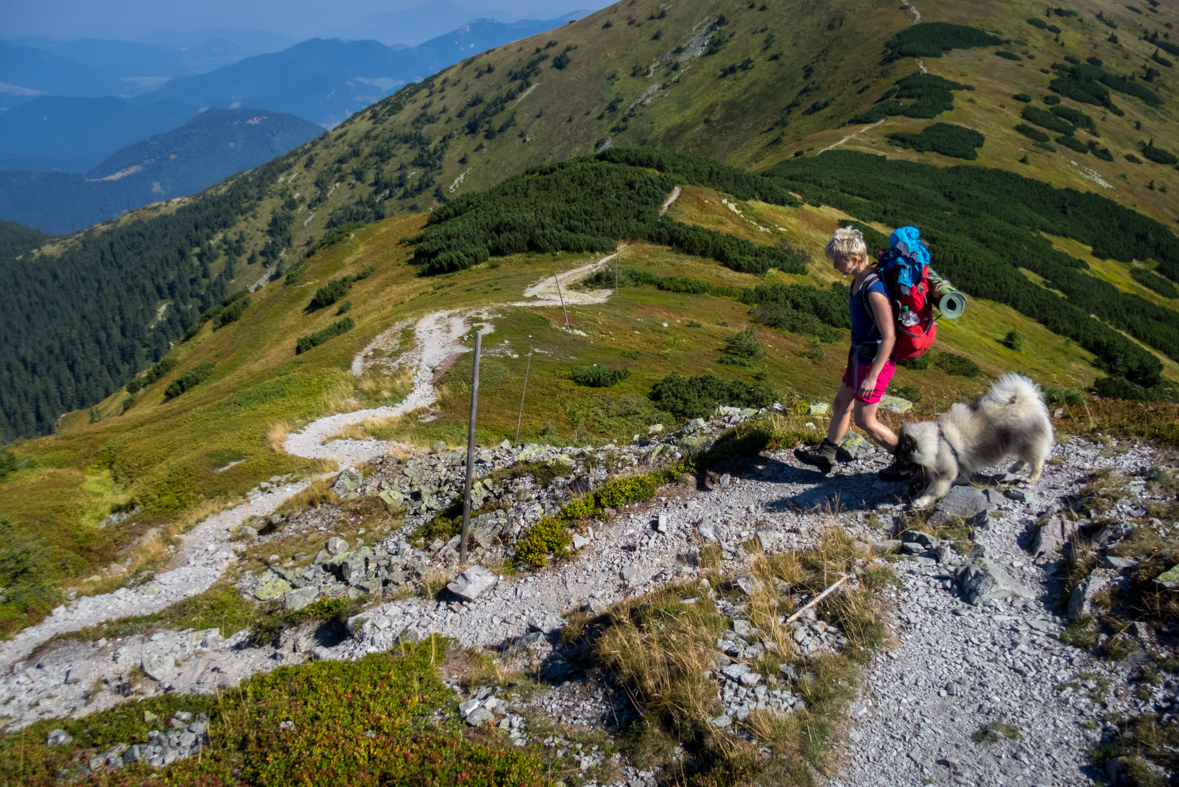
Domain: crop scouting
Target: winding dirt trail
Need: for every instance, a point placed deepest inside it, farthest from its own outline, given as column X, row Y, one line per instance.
column 205, row 552
column 203, row 557
column 675, row 194
column 849, row 136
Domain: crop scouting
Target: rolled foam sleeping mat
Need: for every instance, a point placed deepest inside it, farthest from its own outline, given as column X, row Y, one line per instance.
column 951, row 303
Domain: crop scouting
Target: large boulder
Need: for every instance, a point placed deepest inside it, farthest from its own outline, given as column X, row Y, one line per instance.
column 980, row 581
column 965, row 502
column 473, row 582
column 158, row 666
column 300, row 597
column 348, row 481
column 272, row 587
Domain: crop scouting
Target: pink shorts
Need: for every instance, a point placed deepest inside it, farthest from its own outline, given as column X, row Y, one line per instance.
column 856, row 372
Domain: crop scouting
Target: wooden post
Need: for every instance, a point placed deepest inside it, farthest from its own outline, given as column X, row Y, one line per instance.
column 521, row 415
column 562, row 297
column 470, row 451
column 615, row 275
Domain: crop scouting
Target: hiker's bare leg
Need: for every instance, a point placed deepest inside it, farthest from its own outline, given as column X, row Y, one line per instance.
column 841, row 414
column 865, row 416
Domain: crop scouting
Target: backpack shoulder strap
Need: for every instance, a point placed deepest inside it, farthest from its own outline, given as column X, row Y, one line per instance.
column 865, row 287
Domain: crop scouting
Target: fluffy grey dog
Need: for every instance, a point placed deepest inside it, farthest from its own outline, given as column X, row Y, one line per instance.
column 1010, row 420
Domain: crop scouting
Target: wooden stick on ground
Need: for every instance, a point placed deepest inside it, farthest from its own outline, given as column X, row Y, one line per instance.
column 815, row 600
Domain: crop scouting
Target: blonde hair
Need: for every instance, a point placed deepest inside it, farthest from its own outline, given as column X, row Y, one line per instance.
column 847, row 242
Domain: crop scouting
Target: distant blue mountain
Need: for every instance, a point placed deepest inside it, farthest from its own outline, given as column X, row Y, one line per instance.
column 183, row 161
column 75, row 134
column 41, row 72
column 327, row 80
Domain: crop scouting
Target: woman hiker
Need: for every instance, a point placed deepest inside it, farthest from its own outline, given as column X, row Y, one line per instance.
column 869, row 362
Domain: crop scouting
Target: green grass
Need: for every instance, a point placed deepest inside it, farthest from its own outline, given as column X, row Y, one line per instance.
column 385, row 719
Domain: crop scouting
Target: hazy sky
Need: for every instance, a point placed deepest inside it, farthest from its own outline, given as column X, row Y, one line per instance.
column 134, row 19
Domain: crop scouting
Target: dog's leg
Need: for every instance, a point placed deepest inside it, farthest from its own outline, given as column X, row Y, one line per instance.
column 1035, row 456
column 939, row 487
column 1019, row 465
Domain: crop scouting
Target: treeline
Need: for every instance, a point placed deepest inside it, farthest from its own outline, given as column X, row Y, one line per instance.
column 337, row 288
column 588, row 204
column 1090, row 84
column 1152, row 281
column 305, row 343
column 633, row 277
column 797, row 308
column 931, row 96
column 945, row 138
column 934, row 39
column 189, row 380
column 983, row 225
column 75, row 323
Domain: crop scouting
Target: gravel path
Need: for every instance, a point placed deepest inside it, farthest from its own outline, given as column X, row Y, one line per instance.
column 437, row 339
column 956, row 672
column 675, row 194
column 204, row 553
column 853, row 134
column 203, row 557
column 960, row 667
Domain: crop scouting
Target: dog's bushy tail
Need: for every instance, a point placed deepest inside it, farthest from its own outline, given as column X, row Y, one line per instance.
column 1017, row 391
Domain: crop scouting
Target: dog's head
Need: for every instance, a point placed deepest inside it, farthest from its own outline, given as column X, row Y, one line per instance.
column 918, row 443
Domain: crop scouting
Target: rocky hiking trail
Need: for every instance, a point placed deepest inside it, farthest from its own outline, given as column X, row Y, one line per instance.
column 204, row 552
column 976, row 686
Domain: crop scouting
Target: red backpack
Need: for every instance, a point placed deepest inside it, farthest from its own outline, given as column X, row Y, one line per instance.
column 904, row 269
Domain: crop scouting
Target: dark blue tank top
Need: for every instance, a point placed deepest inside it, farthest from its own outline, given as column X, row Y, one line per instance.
column 863, row 327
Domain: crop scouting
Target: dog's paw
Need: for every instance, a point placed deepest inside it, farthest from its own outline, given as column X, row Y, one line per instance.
column 925, row 501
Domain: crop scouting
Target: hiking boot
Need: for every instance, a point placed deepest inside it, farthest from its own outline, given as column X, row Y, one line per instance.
column 899, row 470
column 821, row 456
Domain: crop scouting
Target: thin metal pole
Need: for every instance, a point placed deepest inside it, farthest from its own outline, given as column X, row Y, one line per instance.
column 470, row 450
column 521, row 415
column 562, row 297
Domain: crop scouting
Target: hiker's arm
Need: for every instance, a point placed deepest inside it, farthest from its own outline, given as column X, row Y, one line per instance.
column 882, row 311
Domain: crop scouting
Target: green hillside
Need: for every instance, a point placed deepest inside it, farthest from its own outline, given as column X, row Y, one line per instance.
column 743, row 85
column 464, row 190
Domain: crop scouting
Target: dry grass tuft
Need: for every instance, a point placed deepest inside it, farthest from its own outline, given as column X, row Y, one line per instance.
column 661, row 650
column 276, row 436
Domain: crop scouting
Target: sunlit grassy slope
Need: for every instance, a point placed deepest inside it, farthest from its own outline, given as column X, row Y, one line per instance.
column 170, row 457
column 646, row 74
column 180, row 458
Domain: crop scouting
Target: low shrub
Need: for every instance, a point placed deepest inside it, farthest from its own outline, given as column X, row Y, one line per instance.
column 306, row 343
column 909, row 392
column 1008, row 55
column 1014, row 341
column 1158, row 155
column 189, row 380
column 1032, row 133
column 1120, row 388
column 1054, row 397
column 542, row 539
column 158, row 370
column 615, row 416
column 386, row 718
column 957, row 365
column 1024, row 97
column 698, row 397
column 1046, row 120
column 742, row 349
column 598, row 376
column 231, row 313
column 1073, row 144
